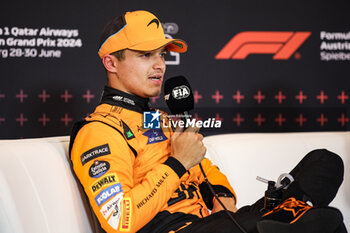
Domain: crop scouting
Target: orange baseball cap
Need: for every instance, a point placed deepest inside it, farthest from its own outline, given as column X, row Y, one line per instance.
column 138, row 30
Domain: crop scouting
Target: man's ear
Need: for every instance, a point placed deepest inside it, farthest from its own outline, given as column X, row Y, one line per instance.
column 110, row 63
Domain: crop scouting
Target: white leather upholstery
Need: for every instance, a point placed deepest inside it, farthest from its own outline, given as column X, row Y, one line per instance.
column 243, row 157
column 39, row 194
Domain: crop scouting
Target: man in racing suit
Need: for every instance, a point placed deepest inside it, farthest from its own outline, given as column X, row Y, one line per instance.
column 147, row 180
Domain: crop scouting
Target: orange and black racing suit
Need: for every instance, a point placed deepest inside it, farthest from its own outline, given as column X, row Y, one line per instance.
column 132, row 182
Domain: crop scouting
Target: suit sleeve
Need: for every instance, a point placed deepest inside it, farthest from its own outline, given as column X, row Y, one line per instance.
column 219, row 183
column 103, row 163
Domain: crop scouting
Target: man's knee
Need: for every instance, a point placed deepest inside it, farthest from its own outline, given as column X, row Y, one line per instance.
column 320, row 173
column 326, row 156
column 322, row 160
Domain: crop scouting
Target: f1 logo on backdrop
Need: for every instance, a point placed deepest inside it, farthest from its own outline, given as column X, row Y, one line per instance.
column 281, row 44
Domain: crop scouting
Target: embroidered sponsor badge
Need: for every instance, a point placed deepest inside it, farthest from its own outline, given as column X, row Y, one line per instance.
column 123, row 99
column 127, row 131
column 126, row 214
column 112, row 206
column 95, row 153
column 115, row 211
column 155, row 135
column 98, row 168
column 107, row 193
column 104, row 181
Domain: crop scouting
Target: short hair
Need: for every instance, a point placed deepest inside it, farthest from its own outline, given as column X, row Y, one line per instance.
column 112, row 27
column 120, row 55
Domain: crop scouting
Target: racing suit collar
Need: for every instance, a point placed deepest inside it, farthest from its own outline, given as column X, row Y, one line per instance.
column 116, row 97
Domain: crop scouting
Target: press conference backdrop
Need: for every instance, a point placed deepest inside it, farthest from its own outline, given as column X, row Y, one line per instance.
column 257, row 66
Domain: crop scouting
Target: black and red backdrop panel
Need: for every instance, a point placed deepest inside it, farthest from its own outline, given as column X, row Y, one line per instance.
column 257, row 66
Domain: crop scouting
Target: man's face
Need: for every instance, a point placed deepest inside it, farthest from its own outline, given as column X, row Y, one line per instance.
column 141, row 73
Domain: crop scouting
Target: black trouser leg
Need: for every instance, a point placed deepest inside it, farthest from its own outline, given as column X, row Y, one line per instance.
column 318, row 176
column 341, row 229
column 221, row 223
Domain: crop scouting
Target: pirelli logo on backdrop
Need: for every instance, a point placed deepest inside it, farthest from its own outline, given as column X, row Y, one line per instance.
column 282, row 44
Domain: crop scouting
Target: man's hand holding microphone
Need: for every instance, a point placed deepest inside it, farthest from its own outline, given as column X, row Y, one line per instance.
column 187, row 146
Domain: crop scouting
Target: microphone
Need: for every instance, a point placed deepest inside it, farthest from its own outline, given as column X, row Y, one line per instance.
column 178, row 95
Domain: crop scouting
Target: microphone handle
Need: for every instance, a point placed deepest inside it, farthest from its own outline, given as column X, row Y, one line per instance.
column 186, row 117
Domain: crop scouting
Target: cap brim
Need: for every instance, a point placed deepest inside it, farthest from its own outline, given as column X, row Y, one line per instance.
column 174, row 45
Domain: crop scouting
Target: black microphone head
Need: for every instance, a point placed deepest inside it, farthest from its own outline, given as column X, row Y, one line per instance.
column 178, row 95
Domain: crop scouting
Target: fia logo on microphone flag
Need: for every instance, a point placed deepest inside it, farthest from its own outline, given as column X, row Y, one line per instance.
column 151, row 120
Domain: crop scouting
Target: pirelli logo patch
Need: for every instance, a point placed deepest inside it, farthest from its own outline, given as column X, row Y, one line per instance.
column 126, row 214
column 105, row 180
column 95, row 153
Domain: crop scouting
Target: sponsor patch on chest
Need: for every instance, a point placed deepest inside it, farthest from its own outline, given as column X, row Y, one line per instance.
column 155, row 135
